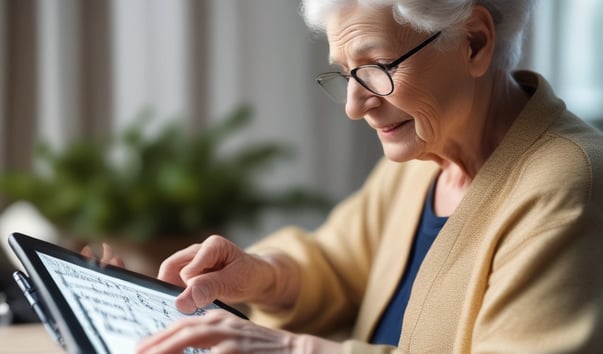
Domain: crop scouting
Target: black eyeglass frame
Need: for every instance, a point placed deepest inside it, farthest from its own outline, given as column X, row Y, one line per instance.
column 386, row 68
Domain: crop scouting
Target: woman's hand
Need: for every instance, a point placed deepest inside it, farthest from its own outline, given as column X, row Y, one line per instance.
column 107, row 255
column 225, row 333
column 217, row 268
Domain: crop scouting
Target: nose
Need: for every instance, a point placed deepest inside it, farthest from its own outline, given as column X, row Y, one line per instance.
column 358, row 100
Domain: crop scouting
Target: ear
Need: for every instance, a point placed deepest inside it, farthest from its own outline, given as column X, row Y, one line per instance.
column 480, row 38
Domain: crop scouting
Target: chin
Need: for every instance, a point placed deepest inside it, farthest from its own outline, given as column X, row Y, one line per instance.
column 400, row 152
column 399, row 156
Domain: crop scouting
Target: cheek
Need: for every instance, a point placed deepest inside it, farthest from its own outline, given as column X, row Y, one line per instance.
column 421, row 105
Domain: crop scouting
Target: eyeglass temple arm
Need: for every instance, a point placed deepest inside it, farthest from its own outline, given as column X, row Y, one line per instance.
column 414, row 50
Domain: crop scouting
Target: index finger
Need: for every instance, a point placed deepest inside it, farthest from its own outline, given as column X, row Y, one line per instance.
column 169, row 270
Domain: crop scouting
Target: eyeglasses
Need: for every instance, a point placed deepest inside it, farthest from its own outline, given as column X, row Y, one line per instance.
column 376, row 78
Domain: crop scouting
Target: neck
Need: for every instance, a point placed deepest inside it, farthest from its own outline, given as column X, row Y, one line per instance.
column 496, row 105
column 497, row 102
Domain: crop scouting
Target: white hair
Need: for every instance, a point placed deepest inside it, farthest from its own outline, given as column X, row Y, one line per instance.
column 510, row 19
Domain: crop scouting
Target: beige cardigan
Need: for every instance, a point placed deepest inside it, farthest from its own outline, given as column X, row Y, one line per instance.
column 518, row 267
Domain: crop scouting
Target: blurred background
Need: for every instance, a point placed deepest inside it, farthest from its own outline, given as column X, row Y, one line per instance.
column 89, row 68
column 73, row 71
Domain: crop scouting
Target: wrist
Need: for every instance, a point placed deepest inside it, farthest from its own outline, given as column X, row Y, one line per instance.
column 282, row 286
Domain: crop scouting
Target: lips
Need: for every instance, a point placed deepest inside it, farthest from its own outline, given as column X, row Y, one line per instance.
column 392, row 127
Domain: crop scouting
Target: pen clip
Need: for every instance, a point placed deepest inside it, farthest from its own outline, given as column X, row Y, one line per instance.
column 38, row 306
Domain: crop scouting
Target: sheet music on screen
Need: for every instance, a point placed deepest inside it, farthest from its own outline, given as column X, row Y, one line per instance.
column 114, row 313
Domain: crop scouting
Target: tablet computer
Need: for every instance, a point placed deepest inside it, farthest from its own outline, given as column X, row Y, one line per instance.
column 90, row 307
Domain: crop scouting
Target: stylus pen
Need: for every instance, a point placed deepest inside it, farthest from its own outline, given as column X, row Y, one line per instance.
column 32, row 297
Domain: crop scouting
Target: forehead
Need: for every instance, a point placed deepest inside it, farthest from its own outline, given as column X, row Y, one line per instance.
column 357, row 30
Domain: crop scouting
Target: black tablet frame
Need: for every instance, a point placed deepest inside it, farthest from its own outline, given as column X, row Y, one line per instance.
column 74, row 337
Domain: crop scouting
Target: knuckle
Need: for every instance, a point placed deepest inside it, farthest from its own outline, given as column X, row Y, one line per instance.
column 186, row 274
column 166, row 264
column 187, row 331
column 227, row 347
column 214, row 241
column 201, row 293
column 213, row 316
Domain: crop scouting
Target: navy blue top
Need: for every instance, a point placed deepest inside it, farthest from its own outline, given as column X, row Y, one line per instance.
column 390, row 326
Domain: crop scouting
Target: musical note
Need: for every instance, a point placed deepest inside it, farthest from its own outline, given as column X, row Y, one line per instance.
column 118, row 313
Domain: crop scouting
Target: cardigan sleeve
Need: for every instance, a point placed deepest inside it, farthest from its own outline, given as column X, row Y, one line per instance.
column 334, row 261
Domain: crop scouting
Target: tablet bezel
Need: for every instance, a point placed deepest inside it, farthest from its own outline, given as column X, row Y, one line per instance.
column 74, row 336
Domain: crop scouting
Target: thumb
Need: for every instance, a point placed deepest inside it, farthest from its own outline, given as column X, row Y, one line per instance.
column 185, row 302
column 200, row 292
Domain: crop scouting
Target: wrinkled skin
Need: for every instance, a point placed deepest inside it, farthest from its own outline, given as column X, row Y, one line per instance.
column 442, row 109
column 218, row 268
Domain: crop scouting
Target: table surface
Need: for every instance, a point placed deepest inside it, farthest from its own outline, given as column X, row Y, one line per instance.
column 27, row 339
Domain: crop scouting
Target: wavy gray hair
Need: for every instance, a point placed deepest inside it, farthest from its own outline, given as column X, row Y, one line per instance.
column 510, row 19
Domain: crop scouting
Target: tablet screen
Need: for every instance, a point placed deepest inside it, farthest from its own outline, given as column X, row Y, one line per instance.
column 114, row 314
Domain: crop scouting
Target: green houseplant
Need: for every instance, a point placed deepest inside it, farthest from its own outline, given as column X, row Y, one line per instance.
column 174, row 185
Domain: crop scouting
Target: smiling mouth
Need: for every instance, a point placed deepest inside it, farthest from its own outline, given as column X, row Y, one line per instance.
column 393, row 127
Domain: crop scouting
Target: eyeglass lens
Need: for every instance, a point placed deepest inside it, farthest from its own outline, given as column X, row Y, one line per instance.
column 373, row 78
column 334, row 85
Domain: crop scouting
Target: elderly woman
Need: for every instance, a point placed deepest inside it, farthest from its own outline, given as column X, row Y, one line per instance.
column 481, row 231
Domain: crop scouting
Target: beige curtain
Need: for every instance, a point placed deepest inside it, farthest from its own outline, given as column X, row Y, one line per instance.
column 20, row 76
column 18, row 80
column 198, row 23
column 95, row 67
